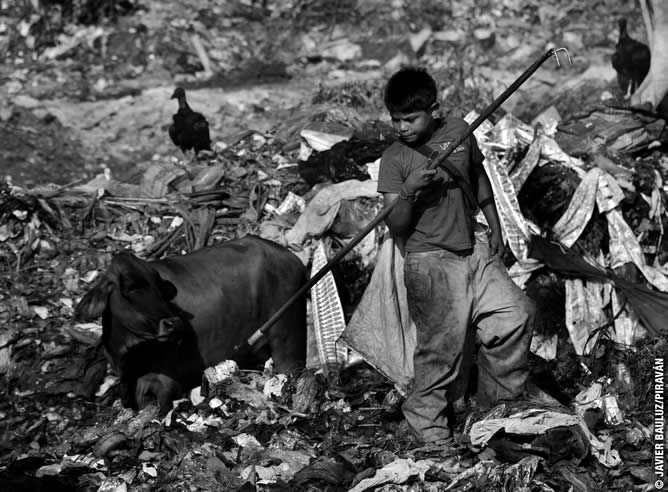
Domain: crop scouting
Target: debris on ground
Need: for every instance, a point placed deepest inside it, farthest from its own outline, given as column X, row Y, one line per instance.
column 571, row 169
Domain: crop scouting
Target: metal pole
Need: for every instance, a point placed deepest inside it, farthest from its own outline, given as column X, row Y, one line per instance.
column 386, row 211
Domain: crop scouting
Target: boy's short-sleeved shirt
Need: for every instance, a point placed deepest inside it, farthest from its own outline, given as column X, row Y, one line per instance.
column 441, row 217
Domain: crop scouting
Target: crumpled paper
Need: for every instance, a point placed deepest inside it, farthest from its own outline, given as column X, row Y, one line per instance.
column 399, row 471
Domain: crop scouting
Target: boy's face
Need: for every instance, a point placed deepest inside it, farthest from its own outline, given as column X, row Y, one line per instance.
column 415, row 126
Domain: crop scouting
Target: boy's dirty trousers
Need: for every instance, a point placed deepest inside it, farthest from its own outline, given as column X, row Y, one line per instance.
column 450, row 295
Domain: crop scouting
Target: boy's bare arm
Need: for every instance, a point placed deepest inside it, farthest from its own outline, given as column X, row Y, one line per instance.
column 399, row 219
column 488, row 207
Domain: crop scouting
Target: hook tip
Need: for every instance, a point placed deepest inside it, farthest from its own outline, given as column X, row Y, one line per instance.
column 556, row 51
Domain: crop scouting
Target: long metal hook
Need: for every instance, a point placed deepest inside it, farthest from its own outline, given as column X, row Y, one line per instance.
column 555, row 53
column 386, row 211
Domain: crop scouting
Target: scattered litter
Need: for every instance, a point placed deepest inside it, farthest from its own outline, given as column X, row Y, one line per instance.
column 215, row 376
column 196, row 396
column 594, row 397
column 215, row 403
column 397, row 472
column 532, row 421
column 274, row 386
column 41, row 311
column 246, row 440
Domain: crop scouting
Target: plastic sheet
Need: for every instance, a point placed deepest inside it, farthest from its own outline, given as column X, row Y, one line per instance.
column 544, row 347
column 576, row 217
column 321, row 211
column 624, row 248
column 510, row 131
column 520, row 173
column 584, row 313
column 526, row 422
column 516, row 228
column 381, row 329
column 609, row 193
column 328, row 318
column 321, row 136
column 538, row 421
column 628, row 329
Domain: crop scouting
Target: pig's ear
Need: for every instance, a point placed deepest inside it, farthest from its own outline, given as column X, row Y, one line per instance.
column 93, row 304
column 167, row 289
column 170, row 329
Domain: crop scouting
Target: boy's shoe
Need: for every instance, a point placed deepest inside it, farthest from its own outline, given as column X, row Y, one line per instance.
column 457, row 413
column 406, row 433
column 414, row 439
column 440, row 447
column 440, row 443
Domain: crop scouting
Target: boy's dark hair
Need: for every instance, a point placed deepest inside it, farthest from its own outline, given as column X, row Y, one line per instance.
column 410, row 89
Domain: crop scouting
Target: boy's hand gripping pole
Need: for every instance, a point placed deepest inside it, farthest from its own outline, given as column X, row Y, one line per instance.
column 554, row 52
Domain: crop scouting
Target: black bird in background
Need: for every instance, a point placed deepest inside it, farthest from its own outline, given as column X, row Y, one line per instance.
column 631, row 60
column 654, row 89
column 190, row 130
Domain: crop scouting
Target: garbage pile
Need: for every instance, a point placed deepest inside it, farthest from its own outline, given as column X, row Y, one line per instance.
column 338, row 424
column 114, row 49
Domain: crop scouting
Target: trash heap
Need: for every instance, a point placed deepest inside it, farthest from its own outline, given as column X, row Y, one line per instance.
column 338, row 424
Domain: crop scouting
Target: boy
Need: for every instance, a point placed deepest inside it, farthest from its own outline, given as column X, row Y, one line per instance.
column 453, row 282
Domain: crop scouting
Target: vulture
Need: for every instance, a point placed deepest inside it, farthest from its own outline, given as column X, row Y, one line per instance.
column 654, row 87
column 189, row 129
column 631, row 60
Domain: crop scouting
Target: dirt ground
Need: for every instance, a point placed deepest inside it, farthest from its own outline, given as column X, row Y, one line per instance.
column 91, row 109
